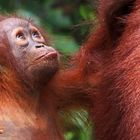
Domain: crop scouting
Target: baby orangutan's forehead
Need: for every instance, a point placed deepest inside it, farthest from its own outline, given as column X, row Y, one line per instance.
column 11, row 23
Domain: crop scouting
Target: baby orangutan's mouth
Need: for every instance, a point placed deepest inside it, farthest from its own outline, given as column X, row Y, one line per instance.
column 49, row 55
column 44, row 58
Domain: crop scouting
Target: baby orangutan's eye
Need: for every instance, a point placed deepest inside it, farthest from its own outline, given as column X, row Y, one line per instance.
column 20, row 35
column 35, row 34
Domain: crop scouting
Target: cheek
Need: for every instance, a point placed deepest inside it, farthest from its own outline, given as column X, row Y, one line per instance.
column 20, row 57
column 19, row 52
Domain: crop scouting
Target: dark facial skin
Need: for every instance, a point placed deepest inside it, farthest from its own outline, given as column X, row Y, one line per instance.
column 34, row 57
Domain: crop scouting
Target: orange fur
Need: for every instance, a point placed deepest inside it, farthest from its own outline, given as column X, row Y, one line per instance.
column 106, row 72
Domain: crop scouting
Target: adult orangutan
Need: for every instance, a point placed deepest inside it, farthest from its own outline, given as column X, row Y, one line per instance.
column 109, row 66
column 27, row 62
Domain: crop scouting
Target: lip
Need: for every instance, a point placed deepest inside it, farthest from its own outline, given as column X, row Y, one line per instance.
column 51, row 55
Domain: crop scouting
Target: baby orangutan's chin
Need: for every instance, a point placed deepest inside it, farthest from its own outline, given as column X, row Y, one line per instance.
column 39, row 75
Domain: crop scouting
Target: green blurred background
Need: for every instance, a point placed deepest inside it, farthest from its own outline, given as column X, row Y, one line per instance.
column 68, row 23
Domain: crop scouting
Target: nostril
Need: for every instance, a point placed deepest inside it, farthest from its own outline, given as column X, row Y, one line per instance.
column 39, row 46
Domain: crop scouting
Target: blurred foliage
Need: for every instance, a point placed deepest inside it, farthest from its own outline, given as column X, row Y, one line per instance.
column 68, row 23
column 77, row 125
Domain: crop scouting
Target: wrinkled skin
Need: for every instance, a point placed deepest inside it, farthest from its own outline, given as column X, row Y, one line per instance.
column 34, row 57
